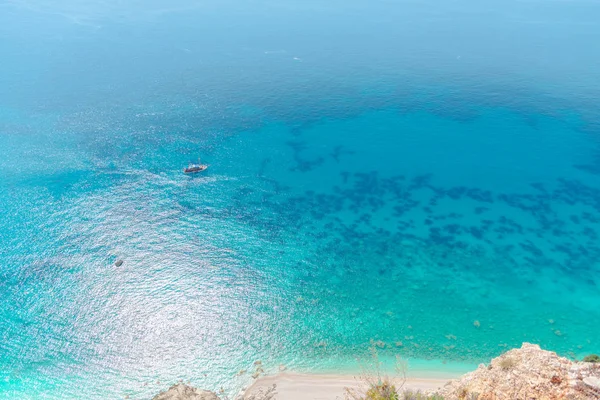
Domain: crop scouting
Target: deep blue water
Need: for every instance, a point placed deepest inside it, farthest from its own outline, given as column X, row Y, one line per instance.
column 385, row 174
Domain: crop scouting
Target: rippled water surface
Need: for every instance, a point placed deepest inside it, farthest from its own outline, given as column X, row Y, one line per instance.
column 416, row 177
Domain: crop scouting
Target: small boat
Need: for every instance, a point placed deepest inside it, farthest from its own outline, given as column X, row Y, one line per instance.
column 193, row 168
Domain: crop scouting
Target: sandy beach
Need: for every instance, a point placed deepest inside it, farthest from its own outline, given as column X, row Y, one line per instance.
column 297, row 386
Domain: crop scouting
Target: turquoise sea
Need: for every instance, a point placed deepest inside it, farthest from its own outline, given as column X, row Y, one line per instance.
column 418, row 177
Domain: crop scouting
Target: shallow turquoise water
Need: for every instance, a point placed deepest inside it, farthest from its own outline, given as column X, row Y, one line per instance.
column 373, row 184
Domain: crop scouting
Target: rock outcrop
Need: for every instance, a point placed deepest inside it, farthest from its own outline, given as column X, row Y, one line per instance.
column 527, row 373
column 184, row 392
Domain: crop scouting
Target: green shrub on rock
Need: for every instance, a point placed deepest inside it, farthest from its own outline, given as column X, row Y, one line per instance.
column 593, row 358
column 382, row 391
column 418, row 395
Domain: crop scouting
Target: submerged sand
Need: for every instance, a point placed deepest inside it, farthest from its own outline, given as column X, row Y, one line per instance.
column 297, row 386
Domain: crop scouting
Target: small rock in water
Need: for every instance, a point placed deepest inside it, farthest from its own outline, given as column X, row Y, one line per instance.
column 118, row 263
column 257, row 362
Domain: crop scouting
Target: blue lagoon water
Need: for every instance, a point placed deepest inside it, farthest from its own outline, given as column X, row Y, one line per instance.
column 417, row 177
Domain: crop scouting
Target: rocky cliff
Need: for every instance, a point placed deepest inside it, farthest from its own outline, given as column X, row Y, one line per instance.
column 184, row 392
column 528, row 373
